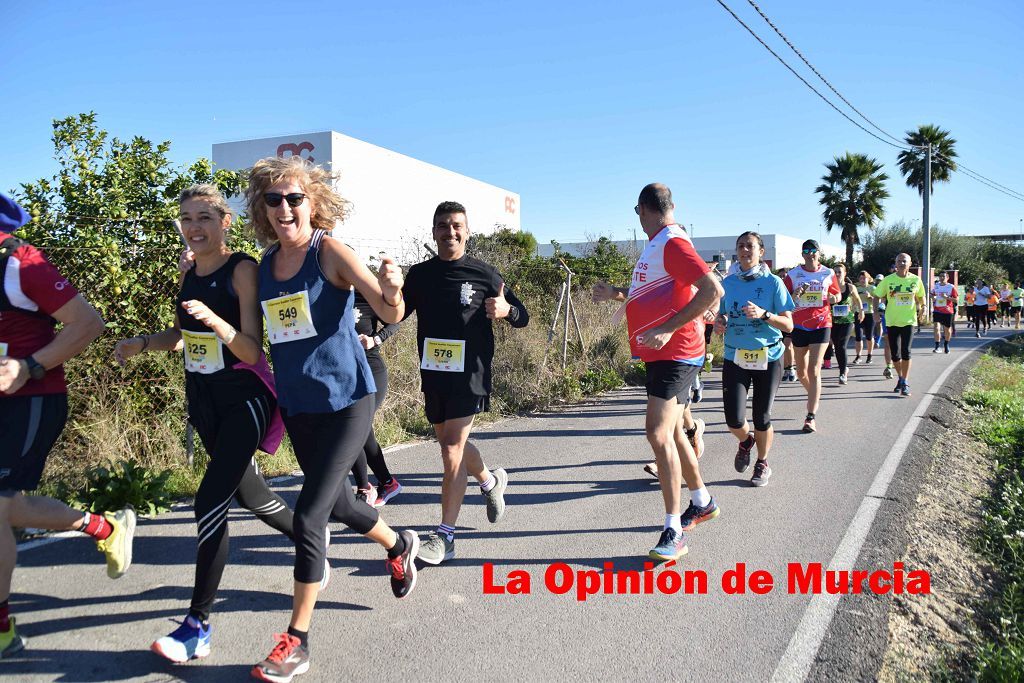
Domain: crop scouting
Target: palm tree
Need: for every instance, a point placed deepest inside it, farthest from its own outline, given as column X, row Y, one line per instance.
column 852, row 194
column 912, row 162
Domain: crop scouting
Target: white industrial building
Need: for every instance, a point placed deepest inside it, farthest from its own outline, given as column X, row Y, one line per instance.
column 393, row 196
column 779, row 250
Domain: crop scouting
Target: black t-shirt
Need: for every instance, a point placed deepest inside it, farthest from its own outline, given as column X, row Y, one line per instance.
column 448, row 298
column 369, row 324
column 216, row 291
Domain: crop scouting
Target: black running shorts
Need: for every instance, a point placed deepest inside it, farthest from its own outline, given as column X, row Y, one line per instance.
column 668, row 379
column 944, row 319
column 804, row 338
column 29, row 426
column 441, row 407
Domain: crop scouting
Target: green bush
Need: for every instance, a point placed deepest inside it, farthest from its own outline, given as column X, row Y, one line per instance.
column 126, row 484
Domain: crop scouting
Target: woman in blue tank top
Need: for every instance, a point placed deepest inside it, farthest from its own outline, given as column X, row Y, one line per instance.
column 325, row 386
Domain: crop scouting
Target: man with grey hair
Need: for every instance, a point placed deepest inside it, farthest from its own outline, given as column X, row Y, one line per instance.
column 903, row 294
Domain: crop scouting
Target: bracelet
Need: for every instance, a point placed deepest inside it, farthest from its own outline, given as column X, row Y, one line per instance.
column 398, row 303
column 230, row 336
column 145, row 341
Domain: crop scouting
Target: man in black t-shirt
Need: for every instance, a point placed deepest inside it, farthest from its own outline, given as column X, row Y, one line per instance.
column 456, row 297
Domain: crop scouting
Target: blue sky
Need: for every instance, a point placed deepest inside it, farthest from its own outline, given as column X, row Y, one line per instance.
column 575, row 106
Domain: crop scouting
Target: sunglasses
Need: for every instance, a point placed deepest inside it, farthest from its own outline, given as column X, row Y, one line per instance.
column 274, row 198
column 810, row 251
column 636, row 209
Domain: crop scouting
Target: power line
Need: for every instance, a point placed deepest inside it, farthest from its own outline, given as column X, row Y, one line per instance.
column 804, row 81
column 818, row 74
column 971, row 173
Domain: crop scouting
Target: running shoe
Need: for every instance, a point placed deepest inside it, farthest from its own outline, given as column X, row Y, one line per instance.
column 868, row 360
column 945, row 348
column 761, row 473
column 367, row 495
column 697, row 437
column 118, row 545
column 403, row 567
column 887, row 373
column 386, row 493
column 809, row 425
column 436, row 548
column 288, row 659
column 191, row 640
column 695, row 515
column 977, row 335
column 842, row 378
column 698, row 392
column 651, row 468
column 671, row 546
column 742, row 460
column 496, row 496
column 899, row 385
column 905, row 390
column 11, row 642
column 855, row 361
column 826, row 365
column 936, row 349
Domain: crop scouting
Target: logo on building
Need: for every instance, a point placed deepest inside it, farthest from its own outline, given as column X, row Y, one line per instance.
column 510, row 204
column 290, row 149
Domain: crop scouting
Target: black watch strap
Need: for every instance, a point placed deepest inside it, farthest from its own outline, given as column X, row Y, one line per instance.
column 35, row 370
column 766, row 315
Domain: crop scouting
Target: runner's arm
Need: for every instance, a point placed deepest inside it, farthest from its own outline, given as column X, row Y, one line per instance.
column 81, row 325
column 343, row 268
column 246, row 343
column 518, row 316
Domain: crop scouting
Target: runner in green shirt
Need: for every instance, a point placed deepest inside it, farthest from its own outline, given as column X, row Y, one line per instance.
column 1016, row 304
column 903, row 294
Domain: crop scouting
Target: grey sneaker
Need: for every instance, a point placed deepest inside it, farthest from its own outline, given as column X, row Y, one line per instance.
column 842, row 378
column 436, row 548
column 496, row 496
column 761, row 473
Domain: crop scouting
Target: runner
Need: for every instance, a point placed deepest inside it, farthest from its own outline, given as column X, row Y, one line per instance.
column 1016, row 304
column 671, row 290
column 788, row 361
column 993, row 308
column 904, row 295
column 456, row 297
column 969, row 297
column 756, row 310
column 944, row 304
column 34, row 297
column 981, row 305
column 846, row 314
column 864, row 330
column 372, row 333
column 814, row 288
column 230, row 397
column 324, row 383
column 1005, row 297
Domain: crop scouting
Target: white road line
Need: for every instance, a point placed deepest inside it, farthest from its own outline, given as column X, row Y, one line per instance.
column 803, row 647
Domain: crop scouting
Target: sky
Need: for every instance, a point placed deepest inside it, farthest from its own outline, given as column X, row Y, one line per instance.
column 573, row 105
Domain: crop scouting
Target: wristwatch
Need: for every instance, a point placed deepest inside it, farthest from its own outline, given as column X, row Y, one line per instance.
column 766, row 315
column 35, row 370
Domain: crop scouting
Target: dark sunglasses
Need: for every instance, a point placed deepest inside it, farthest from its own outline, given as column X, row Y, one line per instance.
column 274, row 198
column 810, row 251
column 636, row 209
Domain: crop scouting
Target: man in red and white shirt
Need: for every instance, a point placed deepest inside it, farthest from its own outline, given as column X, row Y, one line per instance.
column 34, row 297
column 944, row 298
column 672, row 288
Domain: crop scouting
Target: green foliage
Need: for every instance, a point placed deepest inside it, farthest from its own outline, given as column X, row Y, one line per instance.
column 601, row 379
column 126, row 484
column 603, row 261
column 912, row 163
column 852, row 193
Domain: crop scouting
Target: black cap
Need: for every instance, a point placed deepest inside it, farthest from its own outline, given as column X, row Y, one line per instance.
column 810, row 244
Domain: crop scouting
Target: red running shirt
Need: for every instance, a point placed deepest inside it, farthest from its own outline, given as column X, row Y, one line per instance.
column 662, row 286
column 944, row 298
column 32, row 284
column 813, row 311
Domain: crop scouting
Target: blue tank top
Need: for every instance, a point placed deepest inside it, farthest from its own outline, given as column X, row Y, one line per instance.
column 319, row 364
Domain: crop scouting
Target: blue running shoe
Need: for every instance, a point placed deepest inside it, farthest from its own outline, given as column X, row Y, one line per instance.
column 671, row 546
column 191, row 640
column 695, row 515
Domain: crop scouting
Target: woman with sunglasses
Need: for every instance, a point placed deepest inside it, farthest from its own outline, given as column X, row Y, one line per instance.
column 325, row 385
column 814, row 288
column 846, row 313
column 230, row 398
column 755, row 312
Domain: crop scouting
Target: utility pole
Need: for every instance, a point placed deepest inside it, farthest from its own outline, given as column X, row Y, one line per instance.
column 926, row 228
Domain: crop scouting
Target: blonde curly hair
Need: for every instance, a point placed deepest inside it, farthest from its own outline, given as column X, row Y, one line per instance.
column 328, row 207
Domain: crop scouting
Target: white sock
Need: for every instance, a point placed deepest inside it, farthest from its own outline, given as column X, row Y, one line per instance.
column 489, row 484
column 700, row 497
column 672, row 522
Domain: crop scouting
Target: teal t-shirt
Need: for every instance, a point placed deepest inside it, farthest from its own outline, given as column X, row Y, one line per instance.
column 768, row 292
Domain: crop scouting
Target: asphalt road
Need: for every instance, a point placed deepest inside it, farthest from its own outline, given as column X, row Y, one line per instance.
column 576, row 495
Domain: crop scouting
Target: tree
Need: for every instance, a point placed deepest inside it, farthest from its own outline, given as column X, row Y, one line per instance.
column 852, row 194
column 912, row 162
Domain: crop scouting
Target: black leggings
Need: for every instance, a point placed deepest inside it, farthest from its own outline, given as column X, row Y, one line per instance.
column 326, row 446
column 232, row 472
column 840, row 338
column 981, row 317
column 865, row 328
column 736, row 383
column 372, row 454
column 900, row 339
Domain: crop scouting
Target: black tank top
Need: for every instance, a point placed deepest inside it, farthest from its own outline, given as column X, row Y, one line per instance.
column 216, row 291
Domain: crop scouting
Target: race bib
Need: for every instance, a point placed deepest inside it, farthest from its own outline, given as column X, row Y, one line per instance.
column 811, row 299
column 752, row 359
column 288, row 318
column 841, row 310
column 3, row 349
column 902, row 298
column 866, row 307
column 443, row 355
column 203, row 352
column 941, row 301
